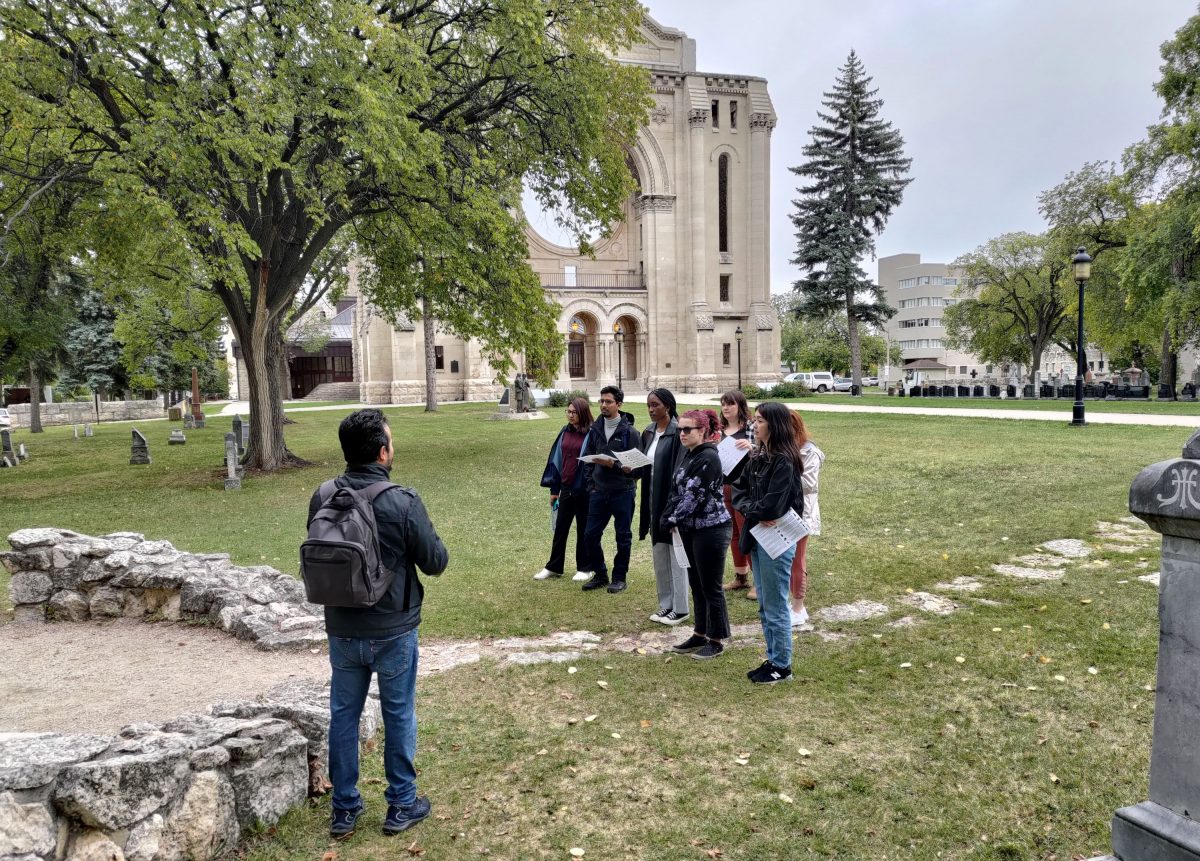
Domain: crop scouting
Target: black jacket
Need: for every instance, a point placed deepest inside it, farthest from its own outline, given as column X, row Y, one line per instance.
column 656, row 485
column 407, row 541
column 603, row 479
column 697, row 500
column 764, row 488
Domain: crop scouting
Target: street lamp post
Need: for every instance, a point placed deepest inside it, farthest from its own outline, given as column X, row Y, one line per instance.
column 619, row 334
column 737, row 334
column 1082, row 264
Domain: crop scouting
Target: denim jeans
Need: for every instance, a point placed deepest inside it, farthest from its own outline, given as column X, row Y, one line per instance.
column 772, row 577
column 394, row 661
column 617, row 506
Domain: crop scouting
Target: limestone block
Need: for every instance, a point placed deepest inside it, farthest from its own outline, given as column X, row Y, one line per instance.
column 302, row 638
column 124, row 540
column 122, row 790
column 228, row 616
column 97, row 548
column 68, row 606
column 267, row 788
column 26, row 829
column 208, row 758
column 95, row 572
column 296, row 622
column 145, row 839
column 30, row 587
column 205, row 822
column 118, row 561
column 255, row 626
column 144, row 575
column 106, row 601
column 24, row 539
column 288, row 589
column 29, row 760
column 65, row 555
column 195, row 597
column 134, row 605
column 25, row 613
column 94, row 846
column 37, row 559
column 153, row 548
column 260, row 591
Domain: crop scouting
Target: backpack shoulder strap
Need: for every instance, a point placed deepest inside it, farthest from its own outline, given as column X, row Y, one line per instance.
column 371, row 491
column 327, row 490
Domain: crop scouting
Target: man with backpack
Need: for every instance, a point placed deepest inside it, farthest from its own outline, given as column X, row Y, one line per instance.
column 367, row 537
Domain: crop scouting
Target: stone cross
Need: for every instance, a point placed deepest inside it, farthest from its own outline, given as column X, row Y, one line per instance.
column 1167, row 827
column 237, row 435
column 232, row 480
column 177, row 438
column 139, row 451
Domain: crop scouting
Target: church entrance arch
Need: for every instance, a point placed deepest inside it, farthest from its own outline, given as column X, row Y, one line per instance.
column 581, row 344
column 628, row 345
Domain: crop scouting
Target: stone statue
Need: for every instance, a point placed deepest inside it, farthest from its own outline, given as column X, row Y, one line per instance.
column 523, row 393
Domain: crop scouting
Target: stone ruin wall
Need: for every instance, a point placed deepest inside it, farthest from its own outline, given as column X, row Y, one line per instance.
column 181, row 790
column 81, row 413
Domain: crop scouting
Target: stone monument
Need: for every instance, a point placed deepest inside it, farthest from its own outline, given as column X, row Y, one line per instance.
column 232, row 480
column 1167, row 827
column 521, row 384
column 8, row 457
column 139, row 451
column 238, row 436
column 22, row 453
column 87, row 430
column 505, row 401
column 177, row 438
column 188, row 421
column 197, row 414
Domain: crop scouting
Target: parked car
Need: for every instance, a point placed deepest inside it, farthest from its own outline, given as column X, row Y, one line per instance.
column 842, row 384
column 816, row 381
column 870, row 381
column 5, row 418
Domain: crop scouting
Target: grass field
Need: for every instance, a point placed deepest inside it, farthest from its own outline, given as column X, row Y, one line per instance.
column 873, row 398
column 987, row 757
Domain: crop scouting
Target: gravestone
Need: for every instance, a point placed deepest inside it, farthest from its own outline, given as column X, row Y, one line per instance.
column 232, row 480
column 188, row 421
column 1167, row 826
column 139, row 450
column 75, row 428
column 22, row 453
column 505, row 401
column 238, row 437
column 87, row 430
column 197, row 413
column 8, row 457
column 1189, row 392
column 177, row 438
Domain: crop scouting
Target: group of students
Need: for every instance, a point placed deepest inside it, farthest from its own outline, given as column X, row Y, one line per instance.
column 688, row 499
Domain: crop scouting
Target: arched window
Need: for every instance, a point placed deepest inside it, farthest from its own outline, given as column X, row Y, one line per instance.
column 723, row 203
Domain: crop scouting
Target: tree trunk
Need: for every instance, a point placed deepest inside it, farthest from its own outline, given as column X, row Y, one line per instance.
column 35, row 400
column 283, row 373
column 262, row 353
column 1169, row 366
column 855, row 344
column 430, row 356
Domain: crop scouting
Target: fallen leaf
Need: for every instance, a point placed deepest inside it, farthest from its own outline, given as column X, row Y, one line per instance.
column 609, row 667
column 1060, row 678
column 616, row 735
column 572, row 670
column 1042, row 609
column 567, row 695
column 1041, row 739
column 641, row 651
column 1106, row 626
column 572, row 721
column 542, row 752
column 1007, row 685
column 1094, row 724
column 786, row 799
column 1042, row 659
column 1053, row 777
column 1003, row 537
column 1031, row 688
column 1092, row 671
column 414, row 849
column 602, row 684
column 1085, row 600
column 997, row 630
column 329, row 856
column 905, row 665
column 742, row 761
column 713, row 853
column 945, row 556
column 960, row 660
column 645, row 724
column 591, row 718
column 576, row 852
column 696, row 841
column 804, row 751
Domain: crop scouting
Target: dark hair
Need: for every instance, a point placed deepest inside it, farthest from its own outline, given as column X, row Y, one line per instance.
column 781, row 433
column 362, row 435
column 618, row 395
column 667, row 399
column 584, row 411
column 735, row 396
column 706, row 420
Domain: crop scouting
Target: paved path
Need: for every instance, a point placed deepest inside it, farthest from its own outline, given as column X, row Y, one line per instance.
column 809, row 406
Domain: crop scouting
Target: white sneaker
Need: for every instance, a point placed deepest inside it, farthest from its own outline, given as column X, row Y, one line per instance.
column 580, row 576
column 657, row 615
column 800, row 618
column 546, row 574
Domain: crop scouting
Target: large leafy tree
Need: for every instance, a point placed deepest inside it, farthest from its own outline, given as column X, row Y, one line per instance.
column 810, row 343
column 857, row 173
column 252, row 134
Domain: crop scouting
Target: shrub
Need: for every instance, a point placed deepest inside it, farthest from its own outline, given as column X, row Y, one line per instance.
column 779, row 391
column 560, row 398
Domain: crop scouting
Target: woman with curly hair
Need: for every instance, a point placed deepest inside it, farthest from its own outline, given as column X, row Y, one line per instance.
column 735, row 422
column 696, row 510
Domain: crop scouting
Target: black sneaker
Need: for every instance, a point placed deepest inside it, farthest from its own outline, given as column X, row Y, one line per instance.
column 616, row 586
column 598, row 581
column 771, row 674
column 708, row 651
column 692, row 644
column 403, row 818
column 342, row 825
column 672, row 618
column 752, row 673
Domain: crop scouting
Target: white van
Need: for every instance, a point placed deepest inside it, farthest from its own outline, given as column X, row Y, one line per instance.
column 816, row 381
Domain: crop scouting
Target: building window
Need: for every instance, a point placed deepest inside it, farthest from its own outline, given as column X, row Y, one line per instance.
column 716, row 114
column 439, row 358
column 724, row 288
column 733, row 115
column 725, row 353
column 723, row 203
column 568, row 276
column 454, row 366
column 962, row 369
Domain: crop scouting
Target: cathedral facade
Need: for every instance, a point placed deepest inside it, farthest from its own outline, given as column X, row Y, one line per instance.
column 679, row 294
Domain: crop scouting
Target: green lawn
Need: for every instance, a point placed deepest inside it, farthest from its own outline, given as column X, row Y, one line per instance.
column 1152, row 407
column 946, row 758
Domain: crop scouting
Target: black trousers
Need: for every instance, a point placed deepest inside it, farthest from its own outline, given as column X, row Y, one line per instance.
column 706, row 549
column 572, row 508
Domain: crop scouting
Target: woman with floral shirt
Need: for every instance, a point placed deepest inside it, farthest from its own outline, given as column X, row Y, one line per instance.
column 696, row 511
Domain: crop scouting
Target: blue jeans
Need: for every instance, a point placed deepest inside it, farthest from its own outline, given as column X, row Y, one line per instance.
column 772, row 579
column 353, row 660
column 617, row 506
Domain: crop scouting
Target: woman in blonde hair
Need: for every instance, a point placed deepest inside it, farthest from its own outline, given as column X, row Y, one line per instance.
column 735, row 422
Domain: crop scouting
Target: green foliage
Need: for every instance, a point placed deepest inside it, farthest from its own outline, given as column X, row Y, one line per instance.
column 811, row 343
column 779, row 391
column 559, row 398
column 856, row 169
column 92, row 356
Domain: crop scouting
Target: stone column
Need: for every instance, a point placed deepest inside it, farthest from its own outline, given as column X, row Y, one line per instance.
column 702, row 347
column 1167, row 827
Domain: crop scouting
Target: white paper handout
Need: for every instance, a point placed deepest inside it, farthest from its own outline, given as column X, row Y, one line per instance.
column 592, row 458
column 677, row 549
column 730, row 454
column 775, row 540
column 633, row 458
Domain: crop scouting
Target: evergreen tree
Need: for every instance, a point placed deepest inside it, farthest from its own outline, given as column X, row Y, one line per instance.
column 92, row 355
column 857, row 175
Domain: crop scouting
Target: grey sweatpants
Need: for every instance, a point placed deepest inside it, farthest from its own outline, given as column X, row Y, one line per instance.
column 672, row 581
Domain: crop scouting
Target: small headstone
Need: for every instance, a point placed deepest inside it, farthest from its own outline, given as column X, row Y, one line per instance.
column 75, row 428
column 237, row 435
column 22, row 453
column 505, row 401
column 188, row 421
column 174, row 414
column 139, row 450
column 232, row 480
column 87, row 430
column 177, row 438
column 6, row 442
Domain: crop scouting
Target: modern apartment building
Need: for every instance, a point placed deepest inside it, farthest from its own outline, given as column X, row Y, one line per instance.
column 921, row 292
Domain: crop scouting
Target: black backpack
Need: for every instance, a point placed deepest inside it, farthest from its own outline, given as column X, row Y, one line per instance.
column 340, row 562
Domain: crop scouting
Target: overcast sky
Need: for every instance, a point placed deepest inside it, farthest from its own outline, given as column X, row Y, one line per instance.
column 997, row 100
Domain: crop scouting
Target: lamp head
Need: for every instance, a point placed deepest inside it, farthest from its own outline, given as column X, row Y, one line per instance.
column 737, row 333
column 1082, row 264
